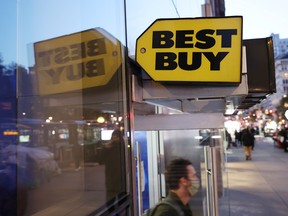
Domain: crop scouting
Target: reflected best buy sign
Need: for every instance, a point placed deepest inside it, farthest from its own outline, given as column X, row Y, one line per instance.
column 77, row 61
column 192, row 50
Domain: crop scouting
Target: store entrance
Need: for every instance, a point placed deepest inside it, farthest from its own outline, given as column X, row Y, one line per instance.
column 204, row 147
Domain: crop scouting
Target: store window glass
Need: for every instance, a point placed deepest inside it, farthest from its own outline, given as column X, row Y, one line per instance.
column 204, row 148
column 192, row 145
column 63, row 116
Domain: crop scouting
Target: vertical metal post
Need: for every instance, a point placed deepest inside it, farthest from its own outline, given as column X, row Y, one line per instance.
column 139, row 178
column 153, row 164
column 211, row 181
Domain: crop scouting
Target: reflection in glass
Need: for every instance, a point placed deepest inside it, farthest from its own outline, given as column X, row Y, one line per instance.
column 112, row 154
column 53, row 149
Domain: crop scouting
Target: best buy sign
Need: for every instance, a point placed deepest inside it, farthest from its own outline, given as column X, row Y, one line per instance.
column 77, row 61
column 192, row 50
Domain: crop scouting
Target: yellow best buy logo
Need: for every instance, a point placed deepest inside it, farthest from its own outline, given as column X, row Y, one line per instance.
column 194, row 50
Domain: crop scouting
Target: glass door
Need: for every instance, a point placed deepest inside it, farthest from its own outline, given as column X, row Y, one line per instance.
column 203, row 147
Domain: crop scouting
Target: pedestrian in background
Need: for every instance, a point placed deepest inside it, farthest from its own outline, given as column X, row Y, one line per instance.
column 228, row 138
column 248, row 142
column 237, row 138
column 240, row 137
column 283, row 138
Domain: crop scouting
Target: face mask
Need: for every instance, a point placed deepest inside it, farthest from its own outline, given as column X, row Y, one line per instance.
column 194, row 187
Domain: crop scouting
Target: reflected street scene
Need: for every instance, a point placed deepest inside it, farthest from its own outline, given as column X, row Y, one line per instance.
column 63, row 145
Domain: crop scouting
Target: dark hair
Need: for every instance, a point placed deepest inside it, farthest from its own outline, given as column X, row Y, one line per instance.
column 176, row 169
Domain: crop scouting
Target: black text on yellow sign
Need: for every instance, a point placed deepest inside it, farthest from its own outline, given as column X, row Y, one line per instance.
column 184, row 39
column 77, row 61
column 60, row 61
column 197, row 50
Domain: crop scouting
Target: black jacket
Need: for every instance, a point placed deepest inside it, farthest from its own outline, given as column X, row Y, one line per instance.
column 247, row 138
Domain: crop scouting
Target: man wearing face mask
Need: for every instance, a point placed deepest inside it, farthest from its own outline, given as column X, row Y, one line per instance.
column 182, row 183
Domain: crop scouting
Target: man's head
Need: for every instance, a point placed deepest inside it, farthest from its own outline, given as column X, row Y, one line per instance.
column 180, row 174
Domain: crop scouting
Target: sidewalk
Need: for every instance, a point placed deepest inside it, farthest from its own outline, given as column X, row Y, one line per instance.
column 258, row 187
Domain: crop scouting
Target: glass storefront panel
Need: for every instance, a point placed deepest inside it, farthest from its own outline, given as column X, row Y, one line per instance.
column 157, row 148
column 67, row 124
column 190, row 144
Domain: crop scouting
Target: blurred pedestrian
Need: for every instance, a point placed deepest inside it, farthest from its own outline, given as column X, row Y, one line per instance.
column 228, row 139
column 283, row 138
column 248, row 143
column 237, row 138
column 240, row 137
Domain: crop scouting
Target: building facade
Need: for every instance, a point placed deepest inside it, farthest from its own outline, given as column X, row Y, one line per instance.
column 281, row 75
column 280, row 45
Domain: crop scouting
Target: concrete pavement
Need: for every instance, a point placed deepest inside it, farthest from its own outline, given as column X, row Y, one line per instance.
column 258, row 187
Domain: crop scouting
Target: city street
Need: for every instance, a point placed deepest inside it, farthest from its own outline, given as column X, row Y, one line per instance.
column 258, row 187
